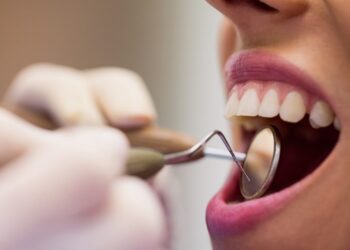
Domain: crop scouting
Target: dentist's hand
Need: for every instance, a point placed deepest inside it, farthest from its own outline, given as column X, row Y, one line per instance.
column 104, row 96
column 66, row 189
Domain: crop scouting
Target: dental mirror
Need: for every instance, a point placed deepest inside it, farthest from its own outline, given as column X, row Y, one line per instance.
column 258, row 166
column 261, row 163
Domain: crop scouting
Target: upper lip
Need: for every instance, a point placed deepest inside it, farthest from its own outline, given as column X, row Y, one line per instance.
column 262, row 66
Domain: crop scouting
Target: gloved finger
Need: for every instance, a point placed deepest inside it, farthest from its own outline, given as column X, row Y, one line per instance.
column 122, row 96
column 57, row 181
column 58, row 91
column 134, row 203
column 167, row 187
column 131, row 219
column 17, row 136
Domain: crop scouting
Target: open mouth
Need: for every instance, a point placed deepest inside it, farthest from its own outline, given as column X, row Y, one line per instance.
column 266, row 90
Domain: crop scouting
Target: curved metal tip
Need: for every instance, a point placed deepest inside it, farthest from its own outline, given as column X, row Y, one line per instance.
column 228, row 147
column 197, row 151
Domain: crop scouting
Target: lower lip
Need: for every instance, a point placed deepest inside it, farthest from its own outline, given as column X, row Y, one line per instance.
column 225, row 218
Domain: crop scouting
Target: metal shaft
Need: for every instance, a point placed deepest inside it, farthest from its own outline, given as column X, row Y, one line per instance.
column 223, row 154
column 142, row 159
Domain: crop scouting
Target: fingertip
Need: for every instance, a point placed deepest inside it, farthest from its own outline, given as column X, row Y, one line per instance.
column 59, row 91
column 123, row 97
column 133, row 122
column 78, row 166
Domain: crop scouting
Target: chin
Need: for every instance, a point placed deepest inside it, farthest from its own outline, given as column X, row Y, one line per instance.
column 303, row 208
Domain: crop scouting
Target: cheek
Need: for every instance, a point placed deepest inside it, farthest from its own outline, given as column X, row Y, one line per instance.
column 227, row 41
column 340, row 10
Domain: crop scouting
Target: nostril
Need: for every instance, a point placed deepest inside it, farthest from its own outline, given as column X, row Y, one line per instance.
column 257, row 4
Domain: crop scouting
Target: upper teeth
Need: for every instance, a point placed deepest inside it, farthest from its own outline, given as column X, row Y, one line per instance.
column 337, row 123
column 270, row 105
column 249, row 104
column 291, row 109
column 321, row 115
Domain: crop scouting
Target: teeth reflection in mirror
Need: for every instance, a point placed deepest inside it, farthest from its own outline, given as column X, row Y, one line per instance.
column 321, row 115
column 232, row 105
column 270, row 105
column 249, row 104
column 293, row 108
column 337, row 123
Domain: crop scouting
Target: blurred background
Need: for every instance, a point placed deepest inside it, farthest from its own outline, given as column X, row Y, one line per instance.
column 171, row 44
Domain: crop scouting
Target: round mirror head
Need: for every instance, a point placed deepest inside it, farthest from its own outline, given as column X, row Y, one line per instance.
column 261, row 163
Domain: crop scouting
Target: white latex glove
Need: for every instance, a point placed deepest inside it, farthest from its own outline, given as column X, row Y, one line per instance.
column 113, row 96
column 63, row 187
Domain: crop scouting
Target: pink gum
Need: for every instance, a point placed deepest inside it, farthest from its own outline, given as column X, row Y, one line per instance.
column 283, row 89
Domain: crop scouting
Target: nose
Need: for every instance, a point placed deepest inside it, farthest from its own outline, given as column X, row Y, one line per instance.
column 258, row 20
column 281, row 8
column 286, row 8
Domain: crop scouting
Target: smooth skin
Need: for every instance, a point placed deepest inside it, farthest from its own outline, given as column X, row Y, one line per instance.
column 66, row 189
column 314, row 35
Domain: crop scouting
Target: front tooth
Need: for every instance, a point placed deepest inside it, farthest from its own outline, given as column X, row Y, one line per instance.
column 293, row 108
column 249, row 104
column 337, row 123
column 270, row 105
column 321, row 115
column 232, row 105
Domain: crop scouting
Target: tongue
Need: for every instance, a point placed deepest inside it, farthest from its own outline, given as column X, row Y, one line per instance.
column 303, row 149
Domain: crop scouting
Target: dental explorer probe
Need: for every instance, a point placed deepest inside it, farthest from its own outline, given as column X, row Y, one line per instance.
column 259, row 163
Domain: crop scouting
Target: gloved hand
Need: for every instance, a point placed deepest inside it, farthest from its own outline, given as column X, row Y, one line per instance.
column 66, row 189
column 113, row 96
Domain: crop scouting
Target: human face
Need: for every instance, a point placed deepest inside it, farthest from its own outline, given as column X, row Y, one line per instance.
column 287, row 62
